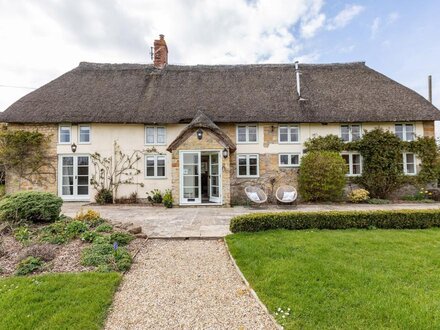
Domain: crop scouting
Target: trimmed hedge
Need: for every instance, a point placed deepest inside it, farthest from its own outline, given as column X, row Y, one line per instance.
column 30, row 206
column 401, row 219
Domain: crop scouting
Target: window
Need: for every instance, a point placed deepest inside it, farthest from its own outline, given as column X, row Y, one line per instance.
column 288, row 134
column 84, row 133
column 350, row 132
column 247, row 133
column 155, row 166
column 289, row 160
column 405, row 132
column 155, row 135
column 409, row 163
column 354, row 163
column 64, row 134
column 247, row 165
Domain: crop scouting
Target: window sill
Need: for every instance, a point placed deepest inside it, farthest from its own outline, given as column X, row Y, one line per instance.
column 247, row 176
column 247, row 142
column 288, row 166
column 155, row 177
column 297, row 142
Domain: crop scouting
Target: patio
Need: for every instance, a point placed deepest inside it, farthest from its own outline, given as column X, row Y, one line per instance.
column 206, row 222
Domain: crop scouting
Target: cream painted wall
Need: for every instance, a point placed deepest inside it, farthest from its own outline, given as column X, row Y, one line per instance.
column 131, row 137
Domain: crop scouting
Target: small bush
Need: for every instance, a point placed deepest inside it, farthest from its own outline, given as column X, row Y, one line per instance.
column 75, row 228
column 378, row 201
column 402, row 219
column 106, row 258
column 358, row 196
column 91, row 217
column 88, row 236
column 28, row 266
column 104, row 196
column 54, row 233
column 104, row 228
column 322, row 176
column 22, row 234
column 121, row 238
column 168, row 199
column 30, row 206
column 155, row 196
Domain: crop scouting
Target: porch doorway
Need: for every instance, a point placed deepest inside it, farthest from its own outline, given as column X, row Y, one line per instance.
column 200, row 177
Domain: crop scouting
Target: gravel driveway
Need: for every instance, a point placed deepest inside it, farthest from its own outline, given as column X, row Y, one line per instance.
column 176, row 284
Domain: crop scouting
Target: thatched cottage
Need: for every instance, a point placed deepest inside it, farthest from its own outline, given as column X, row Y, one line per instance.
column 214, row 129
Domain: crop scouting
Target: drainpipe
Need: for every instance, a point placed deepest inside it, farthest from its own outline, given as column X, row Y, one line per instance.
column 430, row 88
column 298, row 82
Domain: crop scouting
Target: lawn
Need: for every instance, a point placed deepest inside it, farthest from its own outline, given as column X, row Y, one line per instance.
column 56, row 301
column 345, row 279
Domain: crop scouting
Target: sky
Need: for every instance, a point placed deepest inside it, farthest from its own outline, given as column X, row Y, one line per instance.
column 42, row 39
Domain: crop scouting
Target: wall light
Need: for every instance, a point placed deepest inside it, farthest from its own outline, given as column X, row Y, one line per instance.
column 199, row 134
column 73, row 147
column 225, row 153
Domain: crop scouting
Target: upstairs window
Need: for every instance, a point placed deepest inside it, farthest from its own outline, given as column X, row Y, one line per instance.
column 155, row 135
column 405, row 132
column 288, row 134
column 350, row 132
column 288, row 160
column 409, row 163
column 354, row 163
column 155, row 166
column 247, row 134
column 84, row 133
column 247, row 165
column 64, row 133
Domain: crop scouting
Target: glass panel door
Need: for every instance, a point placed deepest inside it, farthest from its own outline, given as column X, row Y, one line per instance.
column 74, row 177
column 190, row 176
column 214, row 178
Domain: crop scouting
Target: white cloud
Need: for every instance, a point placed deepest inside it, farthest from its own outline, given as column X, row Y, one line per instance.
column 375, row 27
column 310, row 27
column 344, row 17
column 392, row 17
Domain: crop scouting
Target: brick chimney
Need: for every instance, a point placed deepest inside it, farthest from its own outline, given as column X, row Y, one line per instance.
column 160, row 56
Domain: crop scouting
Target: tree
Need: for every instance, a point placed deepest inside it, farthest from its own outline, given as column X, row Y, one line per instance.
column 322, row 176
column 325, row 143
column 25, row 155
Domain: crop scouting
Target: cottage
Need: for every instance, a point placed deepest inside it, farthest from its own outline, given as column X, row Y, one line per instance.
column 214, row 129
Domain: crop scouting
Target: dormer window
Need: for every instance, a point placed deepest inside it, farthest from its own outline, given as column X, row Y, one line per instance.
column 405, row 132
column 350, row 132
column 155, row 135
column 64, row 134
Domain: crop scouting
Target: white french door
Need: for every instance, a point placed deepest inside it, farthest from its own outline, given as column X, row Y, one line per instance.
column 214, row 177
column 73, row 177
column 190, row 179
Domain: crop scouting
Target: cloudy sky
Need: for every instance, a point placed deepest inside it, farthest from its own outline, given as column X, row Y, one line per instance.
column 41, row 39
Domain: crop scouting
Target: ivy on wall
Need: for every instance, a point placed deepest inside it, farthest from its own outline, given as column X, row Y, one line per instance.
column 382, row 159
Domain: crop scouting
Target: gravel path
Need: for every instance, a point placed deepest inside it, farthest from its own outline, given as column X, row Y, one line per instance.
column 185, row 285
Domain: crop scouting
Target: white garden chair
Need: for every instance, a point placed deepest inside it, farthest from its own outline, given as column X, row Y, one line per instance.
column 286, row 195
column 256, row 195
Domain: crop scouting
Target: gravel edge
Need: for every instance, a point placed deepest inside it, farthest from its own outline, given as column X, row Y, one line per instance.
column 254, row 294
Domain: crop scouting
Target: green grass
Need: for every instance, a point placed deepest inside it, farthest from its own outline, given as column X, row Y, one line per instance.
column 56, row 301
column 345, row 279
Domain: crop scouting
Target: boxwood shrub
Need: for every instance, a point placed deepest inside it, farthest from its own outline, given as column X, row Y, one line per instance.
column 401, row 219
column 30, row 206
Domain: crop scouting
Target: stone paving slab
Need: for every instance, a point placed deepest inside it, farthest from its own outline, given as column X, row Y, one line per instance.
column 207, row 221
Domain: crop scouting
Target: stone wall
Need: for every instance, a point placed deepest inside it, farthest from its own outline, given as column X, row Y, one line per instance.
column 428, row 128
column 208, row 142
column 48, row 181
column 271, row 177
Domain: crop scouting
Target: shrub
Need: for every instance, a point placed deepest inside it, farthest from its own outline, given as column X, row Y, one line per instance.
column 168, row 199
column 75, row 228
column 322, row 176
column 155, row 196
column 30, row 206
column 325, row 143
column 104, row 196
column 358, row 196
column 106, row 258
column 91, row 217
column 121, row 238
column 22, row 234
column 104, row 228
column 89, row 236
column 54, row 233
column 28, row 266
column 378, row 201
column 402, row 219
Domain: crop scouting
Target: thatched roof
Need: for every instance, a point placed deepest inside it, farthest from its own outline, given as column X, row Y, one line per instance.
column 203, row 122
column 136, row 93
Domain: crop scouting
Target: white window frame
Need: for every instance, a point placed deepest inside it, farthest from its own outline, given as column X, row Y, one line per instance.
column 404, row 130
column 155, row 167
column 79, row 133
column 70, row 133
column 247, row 133
column 155, row 136
column 290, row 159
column 350, row 134
column 350, row 163
column 289, row 137
column 405, row 163
column 247, row 156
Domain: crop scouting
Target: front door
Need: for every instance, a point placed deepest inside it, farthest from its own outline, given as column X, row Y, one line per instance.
column 214, row 178
column 190, row 164
column 74, row 177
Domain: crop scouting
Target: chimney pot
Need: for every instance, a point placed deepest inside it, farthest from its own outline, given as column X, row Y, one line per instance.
column 160, row 56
